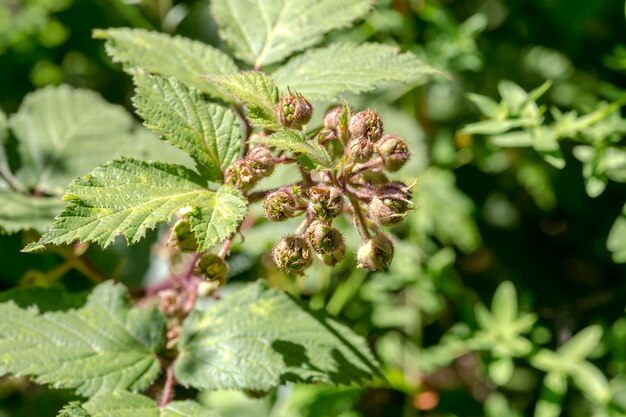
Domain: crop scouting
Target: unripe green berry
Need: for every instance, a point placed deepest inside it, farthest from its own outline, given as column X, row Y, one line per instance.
column 376, row 254
column 325, row 202
column 242, row 174
column 323, row 238
column 212, row 268
column 182, row 237
column 333, row 258
column 280, row 205
column 394, row 151
column 359, row 150
column 366, row 124
column 294, row 111
column 261, row 161
column 292, row 255
column 390, row 204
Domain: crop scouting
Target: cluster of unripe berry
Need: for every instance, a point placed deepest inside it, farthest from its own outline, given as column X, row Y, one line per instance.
column 357, row 140
column 357, row 185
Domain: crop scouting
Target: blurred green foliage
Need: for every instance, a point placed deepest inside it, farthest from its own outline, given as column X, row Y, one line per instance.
column 520, row 166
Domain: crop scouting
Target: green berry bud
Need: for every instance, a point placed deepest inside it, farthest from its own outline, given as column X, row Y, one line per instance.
column 212, row 268
column 390, row 204
column 292, row 255
column 323, row 238
column 261, row 161
column 182, row 237
column 280, row 205
column 294, row 111
column 325, row 202
column 376, row 254
column 366, row 124
column 394, row 151
column 242, row 174
column 360, row 150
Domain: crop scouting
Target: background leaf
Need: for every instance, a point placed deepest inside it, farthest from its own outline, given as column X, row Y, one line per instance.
column 263, row 32
column 92, row 350
column 128, row 197
column 206, row 131
column 23, row 212
column 175, row 56
column 258, row 338
column 64, row 132
column 327, row 72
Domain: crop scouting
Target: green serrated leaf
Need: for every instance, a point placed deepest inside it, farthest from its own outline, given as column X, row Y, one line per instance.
column 128, row 197
column 64, row 132
column 208, row 132
column 126, row 404
column 327, row 72
column 310, row 153
column 257, row 91
column 258, row 338
column 264, row 32
column 23, row 212
column 174, row 56
column 94, row 349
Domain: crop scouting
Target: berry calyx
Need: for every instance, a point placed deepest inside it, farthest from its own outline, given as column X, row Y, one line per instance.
column 182, row 238
column 323, row 238
column 242, row 174
column 261, row 161
column 376, row 254
column 359, row 150
column 394, row 152
column 325, row 202
column 294, row 111
column 212, row 268
column 390, row 204
column 280, row 205
column 333, row 117
column 292, row 254
column 366, row 124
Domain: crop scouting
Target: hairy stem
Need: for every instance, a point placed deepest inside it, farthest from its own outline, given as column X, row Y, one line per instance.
column 242, row 115
column 359, row 219
column 373, row 164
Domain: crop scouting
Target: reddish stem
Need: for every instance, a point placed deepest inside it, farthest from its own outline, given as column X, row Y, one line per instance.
column 168, row 389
